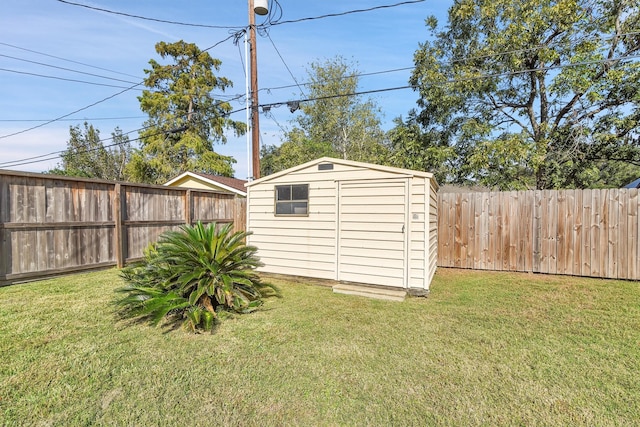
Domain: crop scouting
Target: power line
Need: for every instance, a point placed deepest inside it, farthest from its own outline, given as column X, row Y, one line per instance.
column 234, row 34
column 71, row 113
column 65, row 69
column 538, row 47
column 341, row 95
column 56, row 154
column 453, row 60
column 349, row 12
column 67, row 60
column 269, row 22
column 546, row 68
column 30, row 160
column 92, row 119
column 339, row 78
column 10, row 163
column 286, row 66
column 89, row 83
column 61, row 78
column 451, row 81
column 278, row 104
column 164, row 21
column 100, row 101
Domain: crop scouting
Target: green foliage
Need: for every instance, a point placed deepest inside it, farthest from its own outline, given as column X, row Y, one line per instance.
column 195, row 275
column 337, row 124
column 533, row 93
column 86, row 156
column 185, row 120
column 412, row 148
column 295, row 151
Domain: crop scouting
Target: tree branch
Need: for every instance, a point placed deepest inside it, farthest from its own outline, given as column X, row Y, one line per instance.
column 501, row 108
column 532, row 96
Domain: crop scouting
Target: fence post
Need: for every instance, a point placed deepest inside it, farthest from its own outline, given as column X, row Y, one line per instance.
column 119, row 232
column 240, row 214
column 187, row 207
column 4, row 253
column 5, row 247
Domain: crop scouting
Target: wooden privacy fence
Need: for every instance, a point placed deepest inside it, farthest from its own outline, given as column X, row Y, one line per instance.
column 51, row 225
column 575, row 232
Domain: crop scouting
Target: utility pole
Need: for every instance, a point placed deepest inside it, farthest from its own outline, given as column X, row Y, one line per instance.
column 255, row 116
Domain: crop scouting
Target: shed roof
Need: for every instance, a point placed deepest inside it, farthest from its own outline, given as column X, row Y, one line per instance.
column 233, row 185
column 352, row 163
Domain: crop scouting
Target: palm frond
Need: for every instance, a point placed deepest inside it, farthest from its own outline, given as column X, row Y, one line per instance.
column 198, row 273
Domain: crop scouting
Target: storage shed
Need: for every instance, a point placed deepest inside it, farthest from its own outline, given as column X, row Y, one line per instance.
column 346, row 221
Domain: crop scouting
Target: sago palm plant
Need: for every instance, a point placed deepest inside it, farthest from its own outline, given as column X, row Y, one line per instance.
column 195, row 275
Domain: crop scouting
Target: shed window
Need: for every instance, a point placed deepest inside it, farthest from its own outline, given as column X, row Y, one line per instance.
column 292, row 199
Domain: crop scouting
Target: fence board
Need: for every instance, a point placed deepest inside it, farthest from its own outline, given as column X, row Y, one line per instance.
column 563, row 239
column 623, row 234
column 476, row 251
column 632, row 233
column 457, row 242
column 443, row 227
column 466, row 230
column 612, row 261
column 585, row 236
column 536, row 232
column 513, row 236
column 574, row 232
column 493, row 231
column 51, row 225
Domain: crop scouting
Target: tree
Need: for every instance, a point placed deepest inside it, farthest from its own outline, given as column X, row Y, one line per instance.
column 532, row 93
column 412, row 148
column 185, row 119
column 335, row 123
column 87, row 156
column 295, row 151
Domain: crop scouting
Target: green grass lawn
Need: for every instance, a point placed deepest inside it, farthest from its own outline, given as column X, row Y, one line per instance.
column 483, row 349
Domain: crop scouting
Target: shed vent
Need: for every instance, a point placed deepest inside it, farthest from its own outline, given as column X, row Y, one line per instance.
column 325, row 166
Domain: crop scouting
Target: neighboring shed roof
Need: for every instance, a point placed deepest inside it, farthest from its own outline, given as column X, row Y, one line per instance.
column 634, row 184
column 346, row 163
column 232, row 185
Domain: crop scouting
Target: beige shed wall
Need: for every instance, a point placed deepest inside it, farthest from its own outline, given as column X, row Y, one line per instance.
column 418, row 220
column 307, row 246
column 302, row 246
column 432, row 244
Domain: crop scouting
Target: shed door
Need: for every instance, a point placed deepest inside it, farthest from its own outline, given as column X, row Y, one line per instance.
column 371, row 232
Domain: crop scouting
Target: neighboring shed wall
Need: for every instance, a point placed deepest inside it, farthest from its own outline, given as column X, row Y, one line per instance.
column 364, row 225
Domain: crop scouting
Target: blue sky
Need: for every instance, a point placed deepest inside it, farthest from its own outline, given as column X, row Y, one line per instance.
column 36, row 36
